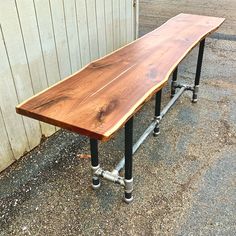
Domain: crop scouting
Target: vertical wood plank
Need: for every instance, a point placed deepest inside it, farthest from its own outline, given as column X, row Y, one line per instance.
column 43, row 17
column 116, row 23
column 19, row 65
column 6, row 154
column 109, row 24
column 72, row 33
column 123, row 22
column 61, row 39
column 136, row 20
column 92, row 28
column 101, row 27
column 83, row 31
column 129, row 21
column 30, row 34
column 8, row 99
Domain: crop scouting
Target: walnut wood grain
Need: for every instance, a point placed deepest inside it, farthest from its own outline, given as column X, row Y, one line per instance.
column 97, row 100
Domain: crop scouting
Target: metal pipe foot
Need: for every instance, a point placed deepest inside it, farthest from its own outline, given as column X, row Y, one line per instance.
column 195, row 93
column 96, row 183
column 156, row 131
column 128, row 197
column 95, row 180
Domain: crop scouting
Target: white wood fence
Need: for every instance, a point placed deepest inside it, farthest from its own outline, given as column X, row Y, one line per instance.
column 43, row 41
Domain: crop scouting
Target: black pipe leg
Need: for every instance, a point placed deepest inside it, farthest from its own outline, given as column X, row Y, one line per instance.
column 174, row 82
column 198, row 71
column 156, row 130
column 95, row 163
column 128, row 198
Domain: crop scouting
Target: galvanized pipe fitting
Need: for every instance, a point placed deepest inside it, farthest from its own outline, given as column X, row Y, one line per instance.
column 113, row 177
column 156, row 130
column 95, row 179
column 128, row 198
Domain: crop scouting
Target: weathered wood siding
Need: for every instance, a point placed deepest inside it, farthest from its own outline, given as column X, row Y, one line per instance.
column 43, row 41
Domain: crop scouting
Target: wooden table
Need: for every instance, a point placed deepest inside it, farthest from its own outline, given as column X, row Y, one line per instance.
column 99, row 99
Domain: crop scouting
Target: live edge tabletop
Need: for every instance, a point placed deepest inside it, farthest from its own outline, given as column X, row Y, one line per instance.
column 98, row 100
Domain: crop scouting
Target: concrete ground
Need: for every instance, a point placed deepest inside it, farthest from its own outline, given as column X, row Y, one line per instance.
column 185, row 179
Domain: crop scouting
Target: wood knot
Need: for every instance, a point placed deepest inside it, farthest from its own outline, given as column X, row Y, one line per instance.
column 106, row 110
column 152, row 73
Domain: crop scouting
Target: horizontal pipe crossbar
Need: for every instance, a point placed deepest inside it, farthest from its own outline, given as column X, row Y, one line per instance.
column 151, row 127
column 172, row 102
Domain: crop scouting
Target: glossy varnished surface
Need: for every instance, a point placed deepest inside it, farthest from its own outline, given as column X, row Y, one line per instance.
column 97, row 100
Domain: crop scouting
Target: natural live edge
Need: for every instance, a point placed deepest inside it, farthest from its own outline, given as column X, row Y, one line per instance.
column 135, row 107
column 104, row 138
column 113, row 52
column 60, row 124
